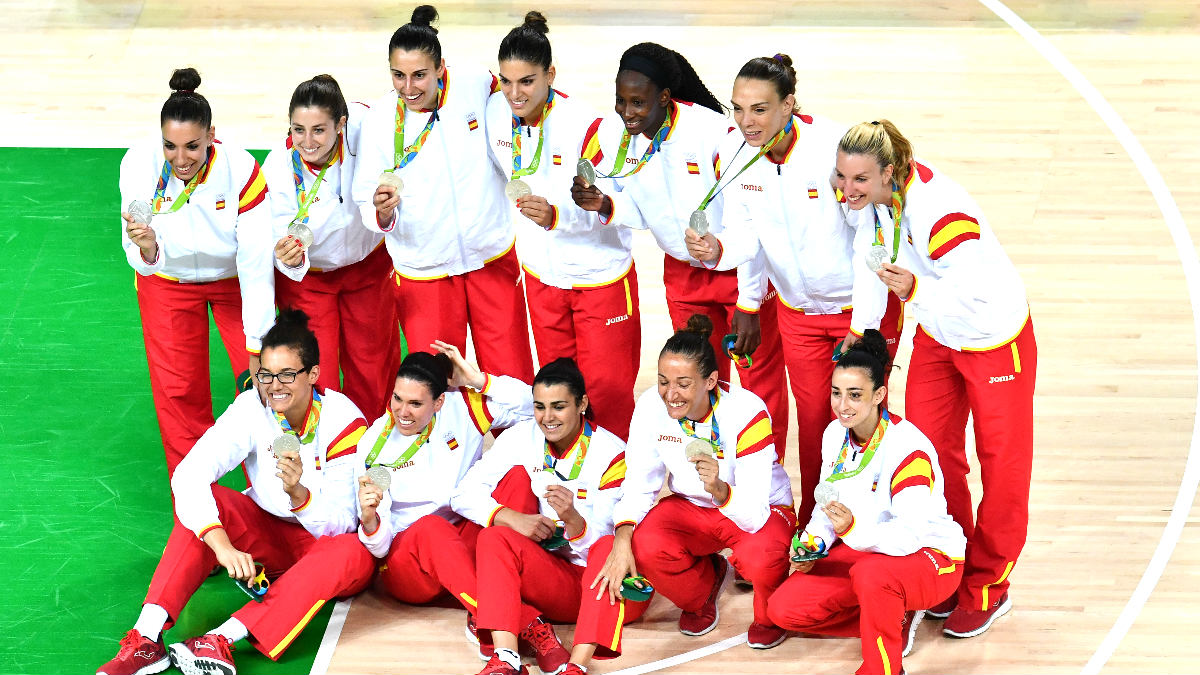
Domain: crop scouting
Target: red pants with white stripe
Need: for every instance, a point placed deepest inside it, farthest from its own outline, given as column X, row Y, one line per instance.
column 353, row 315
column 601, row 328
column 489, row 300
column 673, row 543
column 808, row 344
column 856, row 594
column 514, row 568
column 175, row 329
column 996, row 388
column 695, row 290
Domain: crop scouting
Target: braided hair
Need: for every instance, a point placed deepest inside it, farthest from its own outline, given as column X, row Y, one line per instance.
column 667, row 69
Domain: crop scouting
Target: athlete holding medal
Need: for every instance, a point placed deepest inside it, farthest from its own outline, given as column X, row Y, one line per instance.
column 580, row 280
column 451, row 245
column 883, row 500
column 209, row 246
column 326, row 262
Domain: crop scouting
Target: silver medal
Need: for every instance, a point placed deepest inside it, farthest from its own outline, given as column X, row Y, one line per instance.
column 586, row 171
column 876, row 257
column 698, row 447
column 516, row 189
column 826, row 493
column 141, row 212
column 391, row 179
column 285, row 443
column 302, row 232
column 381, row 476
column 699, row 222
column 540, row 482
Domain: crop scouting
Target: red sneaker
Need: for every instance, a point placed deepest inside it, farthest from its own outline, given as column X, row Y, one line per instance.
column 573, row 669
column 765, row 636
column 705, row 619
column 486, row 648
column 207, row 654
column 137, row 656
column 552, row 657
column 497, row 667
column 943, row 608
column 965, row 623
column 908, row 629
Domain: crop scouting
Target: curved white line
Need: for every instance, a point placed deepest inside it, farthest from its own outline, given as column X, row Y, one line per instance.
column 1191, row 272
column 684, row 657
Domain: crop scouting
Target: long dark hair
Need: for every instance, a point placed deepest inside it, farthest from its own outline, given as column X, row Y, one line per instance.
column 667, row 69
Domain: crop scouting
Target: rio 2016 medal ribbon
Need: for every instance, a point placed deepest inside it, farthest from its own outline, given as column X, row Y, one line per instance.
column 391, row 179
column 141, row 212
column 586, row 171
column 285, row 443
column 876, row 257
column 516, row 189
column 381, row 476
column 301, row 232
column 825, row 494
column 698, row 447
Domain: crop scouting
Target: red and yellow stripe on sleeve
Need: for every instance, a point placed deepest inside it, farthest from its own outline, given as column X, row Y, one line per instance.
column 614, row 475
column 346, row 442
column 755, row 436
column 254, row 192
column 952, row 230
column 915, row 470
column 590, row 150
column 478, row 411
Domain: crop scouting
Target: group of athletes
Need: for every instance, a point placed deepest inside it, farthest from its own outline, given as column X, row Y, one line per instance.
column 462, row 200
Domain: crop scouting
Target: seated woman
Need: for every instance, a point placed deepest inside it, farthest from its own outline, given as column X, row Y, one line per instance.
column 729, row 491
column 282, row 524
column 882, row 497
column 530, row 567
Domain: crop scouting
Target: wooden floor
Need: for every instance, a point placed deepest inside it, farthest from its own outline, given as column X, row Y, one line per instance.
column 1117, row 389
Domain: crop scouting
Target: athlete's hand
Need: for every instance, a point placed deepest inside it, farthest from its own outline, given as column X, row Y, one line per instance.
column 708, row 470
column 386, row 199
column 590, row 198
column 538, row 210
column 466, row 374
column 839, row 516
column 369, row 498
column 239, row 564
column 803, row 567
column 703, row 248
column 142, row 236
column 899, row 280
column 291, row 468
column 748, row 331
column 620, row 564
column 532, row 525
column 289, row 251
column 562, row 500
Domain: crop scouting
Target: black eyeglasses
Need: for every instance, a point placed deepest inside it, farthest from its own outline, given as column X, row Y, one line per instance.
column 286, row 377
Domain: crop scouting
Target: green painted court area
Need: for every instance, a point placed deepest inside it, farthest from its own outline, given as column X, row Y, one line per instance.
column 85, row 507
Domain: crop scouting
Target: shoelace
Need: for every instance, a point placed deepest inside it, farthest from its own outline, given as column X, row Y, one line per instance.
column 128, row 644
column 541, row 636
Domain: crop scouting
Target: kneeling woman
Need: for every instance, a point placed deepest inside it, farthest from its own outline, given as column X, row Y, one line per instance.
column 575, row 470
column 729, row 489
column 884, row 501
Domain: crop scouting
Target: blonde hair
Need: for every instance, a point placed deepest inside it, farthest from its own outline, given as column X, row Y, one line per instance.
column 883, row 141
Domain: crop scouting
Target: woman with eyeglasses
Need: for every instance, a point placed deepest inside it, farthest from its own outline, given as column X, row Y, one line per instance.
column 298, row 451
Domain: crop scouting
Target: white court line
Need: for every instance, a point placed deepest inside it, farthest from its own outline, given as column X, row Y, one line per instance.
column 329, row 641
column 1191, row 273
column 684, row 657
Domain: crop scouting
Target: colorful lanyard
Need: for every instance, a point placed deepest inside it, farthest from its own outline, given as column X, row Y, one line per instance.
column 403, row 155
column 408, row 454
column 714, row 191
column 310, row 422
column 550, row 463
column 184, row 196
column 839, row 471
column 689, row 427
column 517, row 171
column 304, row 200
column 897, row 214
column 655, row 144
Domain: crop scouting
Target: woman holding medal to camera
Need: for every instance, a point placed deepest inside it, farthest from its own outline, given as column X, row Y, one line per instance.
column 196, row 233
column 326, row 262
column 580, row 280
column 728, row 491
column 881, row 496
column 660, row 150
column 424, row 180
column 974, row 352
column 781, row 205
column 526, row 559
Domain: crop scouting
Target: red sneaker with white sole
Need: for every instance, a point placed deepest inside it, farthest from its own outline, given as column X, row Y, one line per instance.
column 137, row 656
column 208, row 654
column 549, row 651
column 965, row 623
column 705, row 619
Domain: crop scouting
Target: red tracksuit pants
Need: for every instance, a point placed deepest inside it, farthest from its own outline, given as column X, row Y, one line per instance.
column 306, row 572
column 996, row 388
column 601, row 328
column 514, row 568
column 489, row 300
column 856, row 594
column 352, row 313
column 808, row 344
column 694, row 290
column 672, row 545
column 175, row 329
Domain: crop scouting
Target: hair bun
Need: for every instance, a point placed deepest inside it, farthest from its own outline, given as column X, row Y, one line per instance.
column 784, row 59
column 872, row 342
column 425, row 15
column 699, row 324
column 292, row 317
column 185, row 79
column 535, row 20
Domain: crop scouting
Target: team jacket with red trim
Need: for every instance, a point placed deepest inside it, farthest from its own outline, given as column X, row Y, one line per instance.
column 339, row 239
column 662, row 196
column 747, row 463
column 424, row 484
column 597, row 488
column 968, row 295
column 244, row 433
column 578, row 251
column 223, row 231
column 897, row 501
column 450, row 218
column 789, row 213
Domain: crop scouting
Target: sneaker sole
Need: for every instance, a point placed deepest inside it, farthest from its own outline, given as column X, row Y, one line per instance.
column 1000, row 611
column 189, row 664
column 156, row 667
column 717, row 619
column 911, row 634
column 930, row 614
column 759, row 645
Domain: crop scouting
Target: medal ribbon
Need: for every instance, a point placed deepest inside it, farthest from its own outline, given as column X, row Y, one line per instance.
column 309, row 431
column 689, row 427
column 160, row 190
column 304, row 200
column 714, row 191
column 839, row 471
column 403, row 155
column 549, row 463
column 517, row 171
column 897, row 214
column 407, row 454
column 655, row 144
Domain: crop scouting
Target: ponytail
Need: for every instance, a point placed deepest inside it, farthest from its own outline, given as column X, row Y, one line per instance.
column 883, row 141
